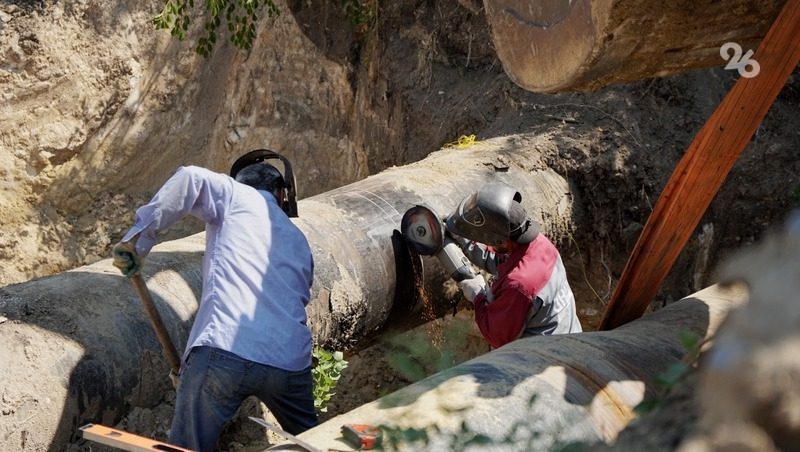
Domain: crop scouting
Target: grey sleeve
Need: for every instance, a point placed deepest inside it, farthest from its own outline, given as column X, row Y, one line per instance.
column 555, row 311
column 478, row 254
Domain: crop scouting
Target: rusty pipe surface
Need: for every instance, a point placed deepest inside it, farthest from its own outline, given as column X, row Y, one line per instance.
column 78, row 347
column 541, row 391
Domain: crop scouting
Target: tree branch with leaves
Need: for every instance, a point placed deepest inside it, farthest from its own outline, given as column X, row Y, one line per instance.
column 239, row 15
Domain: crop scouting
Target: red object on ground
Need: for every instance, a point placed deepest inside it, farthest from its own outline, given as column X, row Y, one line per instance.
column 362, row 436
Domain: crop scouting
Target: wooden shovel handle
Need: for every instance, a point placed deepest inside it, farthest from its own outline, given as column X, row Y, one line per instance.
column 155, row 320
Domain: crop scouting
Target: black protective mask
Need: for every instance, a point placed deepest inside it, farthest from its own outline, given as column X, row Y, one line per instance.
column 289, row 203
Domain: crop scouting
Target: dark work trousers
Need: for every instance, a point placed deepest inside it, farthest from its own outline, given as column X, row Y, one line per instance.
column 215, row 382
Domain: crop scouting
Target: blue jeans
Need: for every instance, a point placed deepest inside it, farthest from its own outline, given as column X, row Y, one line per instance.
column 215, row 382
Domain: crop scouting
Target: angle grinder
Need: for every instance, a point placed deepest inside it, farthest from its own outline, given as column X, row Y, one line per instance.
column 424, row 232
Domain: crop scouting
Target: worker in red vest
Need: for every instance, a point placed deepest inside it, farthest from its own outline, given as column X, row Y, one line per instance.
column 530, row 294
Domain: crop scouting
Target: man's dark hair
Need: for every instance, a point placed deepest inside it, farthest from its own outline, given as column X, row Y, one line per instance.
column 262, row 176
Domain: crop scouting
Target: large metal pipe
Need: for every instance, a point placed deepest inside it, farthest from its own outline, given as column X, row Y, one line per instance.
column 580, row 387
column 558, row 45
column 350, row 230
column 78, row 347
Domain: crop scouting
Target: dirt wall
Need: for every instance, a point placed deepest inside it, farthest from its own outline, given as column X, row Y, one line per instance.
column 99, row 109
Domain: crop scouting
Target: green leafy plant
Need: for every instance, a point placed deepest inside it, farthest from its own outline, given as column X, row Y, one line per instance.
column 240, row 17
column 418, row 353
column 327, row 370
column 396, row 438
column 520, row 435
column 669, row 378
column 361, row 13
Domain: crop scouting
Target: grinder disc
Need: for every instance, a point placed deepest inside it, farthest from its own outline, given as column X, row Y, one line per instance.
column 423, row 230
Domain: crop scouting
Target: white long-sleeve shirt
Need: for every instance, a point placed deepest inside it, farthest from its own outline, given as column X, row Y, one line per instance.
column 257, row 267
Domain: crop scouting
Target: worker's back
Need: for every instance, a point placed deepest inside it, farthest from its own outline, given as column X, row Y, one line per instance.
column 257, row 273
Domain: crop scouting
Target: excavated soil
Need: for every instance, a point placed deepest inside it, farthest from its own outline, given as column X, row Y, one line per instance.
column 98, row 109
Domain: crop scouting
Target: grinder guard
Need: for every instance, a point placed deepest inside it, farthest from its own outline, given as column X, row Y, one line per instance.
column 424, row 232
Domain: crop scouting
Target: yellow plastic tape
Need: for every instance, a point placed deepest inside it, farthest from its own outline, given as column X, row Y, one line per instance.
column 464, row 141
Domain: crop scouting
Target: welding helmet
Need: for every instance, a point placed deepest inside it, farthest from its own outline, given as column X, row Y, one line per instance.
column 276, row 179
column 491, row 215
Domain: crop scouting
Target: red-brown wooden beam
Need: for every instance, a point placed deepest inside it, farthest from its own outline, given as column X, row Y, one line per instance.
column 703, row 169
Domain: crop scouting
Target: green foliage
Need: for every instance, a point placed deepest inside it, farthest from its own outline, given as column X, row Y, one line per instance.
column 572, row 446
column 647, row 406
column 415, row 356
column 327, row 370
column 240, row 17
column 362, row 13
column 520, row 435
column 395, row 438
column 669, row 378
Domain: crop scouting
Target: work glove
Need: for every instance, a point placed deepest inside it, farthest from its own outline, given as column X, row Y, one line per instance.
column 175, row 378
column 473, row 287
column 126, row 259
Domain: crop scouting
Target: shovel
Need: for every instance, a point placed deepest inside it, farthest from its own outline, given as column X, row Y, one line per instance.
column 158, row 326
column 293, row 439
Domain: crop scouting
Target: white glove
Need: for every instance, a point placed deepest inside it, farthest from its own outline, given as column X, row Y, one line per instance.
column 473, row 287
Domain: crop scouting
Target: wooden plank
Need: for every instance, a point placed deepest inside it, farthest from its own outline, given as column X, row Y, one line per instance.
column 703, row 169
column 124, row 440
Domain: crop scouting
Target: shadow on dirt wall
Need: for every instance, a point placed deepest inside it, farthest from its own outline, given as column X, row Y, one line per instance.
column 113, row 162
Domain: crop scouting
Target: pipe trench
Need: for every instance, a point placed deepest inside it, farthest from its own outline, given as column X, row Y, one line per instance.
column 537, row 392
column 78, row 347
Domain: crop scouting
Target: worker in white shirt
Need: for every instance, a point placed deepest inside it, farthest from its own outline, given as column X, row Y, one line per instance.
column 250, row 335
